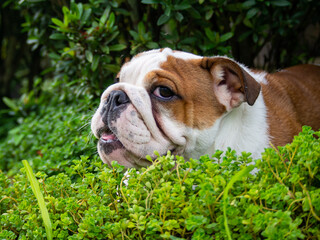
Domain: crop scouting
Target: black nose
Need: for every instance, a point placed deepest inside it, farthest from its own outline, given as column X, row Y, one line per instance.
column 116, row 99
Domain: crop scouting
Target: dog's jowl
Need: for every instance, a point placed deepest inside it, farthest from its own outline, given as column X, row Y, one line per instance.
column 193, row 105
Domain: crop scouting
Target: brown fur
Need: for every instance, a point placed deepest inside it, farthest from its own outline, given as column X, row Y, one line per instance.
column 292, row 98
column 196, row 106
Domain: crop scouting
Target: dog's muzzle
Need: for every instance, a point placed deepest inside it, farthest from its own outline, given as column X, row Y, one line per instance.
column 116, row 103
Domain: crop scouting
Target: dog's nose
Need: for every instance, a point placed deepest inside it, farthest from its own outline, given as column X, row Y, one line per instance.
column 117, row 98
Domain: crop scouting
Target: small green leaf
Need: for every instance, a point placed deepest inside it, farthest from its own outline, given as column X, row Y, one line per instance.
column 89, row 56
column 117, row 47
column 209, row 14
column 79, row 9
column 182, row 6
column 17, row 138
column 210, row 34
column 280, row 3
column 252, row 12
column 150, row 1
column 247, row 22
column 248, row 4
column 11, row 104
column 111, row 21
column 152, row 45
column 58, row 36
column 105, row 49
column 57, row 22
column 112, row 68
column 85, row 16
column 66, row 13
column 163, row 19
column 179, row 16
column 141, row 28
column 226, row 36
column 104, row 16
column 95, row 62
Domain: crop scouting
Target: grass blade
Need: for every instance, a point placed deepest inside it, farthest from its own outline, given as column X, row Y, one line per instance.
column 36, row 191
column 235, row 178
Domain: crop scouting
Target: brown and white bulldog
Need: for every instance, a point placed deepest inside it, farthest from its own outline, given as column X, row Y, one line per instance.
column 193, row 105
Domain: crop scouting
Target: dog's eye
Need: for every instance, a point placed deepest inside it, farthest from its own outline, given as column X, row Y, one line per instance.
column 163, row 92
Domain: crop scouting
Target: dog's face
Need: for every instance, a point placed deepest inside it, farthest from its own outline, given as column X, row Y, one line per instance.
column 168, row 100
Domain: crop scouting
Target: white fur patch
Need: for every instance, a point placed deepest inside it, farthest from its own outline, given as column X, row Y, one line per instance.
column 135, row 71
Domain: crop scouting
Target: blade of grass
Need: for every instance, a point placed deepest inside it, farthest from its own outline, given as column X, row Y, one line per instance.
column 235, row 178
column 36, row 191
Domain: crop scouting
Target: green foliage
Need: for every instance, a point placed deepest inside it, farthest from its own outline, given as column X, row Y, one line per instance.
column 86, row 42
column 50, row 137
column 174, row 198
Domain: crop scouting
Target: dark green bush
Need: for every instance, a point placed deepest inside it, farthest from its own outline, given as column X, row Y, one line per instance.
column 174, row 198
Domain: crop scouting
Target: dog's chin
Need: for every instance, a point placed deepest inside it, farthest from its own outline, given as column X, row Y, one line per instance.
column 111, row 149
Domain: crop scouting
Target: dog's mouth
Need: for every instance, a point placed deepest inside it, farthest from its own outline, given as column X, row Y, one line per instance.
column 107, row 137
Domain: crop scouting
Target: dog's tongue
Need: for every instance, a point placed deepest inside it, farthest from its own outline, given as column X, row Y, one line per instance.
column 108, row 137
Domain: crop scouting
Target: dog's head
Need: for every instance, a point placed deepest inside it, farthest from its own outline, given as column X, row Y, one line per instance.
column 168, row 100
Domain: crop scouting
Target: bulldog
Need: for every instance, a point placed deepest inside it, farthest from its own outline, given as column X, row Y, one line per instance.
column 193, row 105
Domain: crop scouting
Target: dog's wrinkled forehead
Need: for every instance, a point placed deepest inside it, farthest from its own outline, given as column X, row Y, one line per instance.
column 135, row 71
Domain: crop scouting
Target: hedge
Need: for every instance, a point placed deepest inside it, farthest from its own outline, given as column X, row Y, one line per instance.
column 174, row 198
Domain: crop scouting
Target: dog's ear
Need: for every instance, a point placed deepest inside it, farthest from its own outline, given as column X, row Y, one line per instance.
column 232, row 84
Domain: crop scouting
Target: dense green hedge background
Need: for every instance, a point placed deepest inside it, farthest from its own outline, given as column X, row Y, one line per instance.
column 58, row 56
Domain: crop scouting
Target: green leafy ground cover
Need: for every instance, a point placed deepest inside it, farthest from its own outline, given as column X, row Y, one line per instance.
column 172, row 199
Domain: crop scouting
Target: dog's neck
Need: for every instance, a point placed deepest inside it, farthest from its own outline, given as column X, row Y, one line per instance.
column 243, row 129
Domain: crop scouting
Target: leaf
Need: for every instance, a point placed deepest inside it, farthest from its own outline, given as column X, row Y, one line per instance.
column 117, row 47
column 150, row 1
column 248, row 4
column 89, row 56
column 111, row 21
column 66, row 14
column 17, row 138
column 210, row 34
column 182, row 6
column 79, row 9
column 95, row 63
column 252, row 12
column 58, row 36
column 163, row 19
column 226, row 36
column 11, row 104
column 42, row 205
column 105, row 49
column 209, row 14
column 152, row 45
column 280, row 3
column 85, row 16
column 112, row 68
column 134, row 34
column 247, row 22
column 179, row 16
column 57, row 22
column 104, row 16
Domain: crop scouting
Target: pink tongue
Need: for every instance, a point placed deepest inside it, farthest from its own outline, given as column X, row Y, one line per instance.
column 108, row 137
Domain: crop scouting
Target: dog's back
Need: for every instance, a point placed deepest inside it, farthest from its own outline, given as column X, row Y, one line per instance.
column 292, row 97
